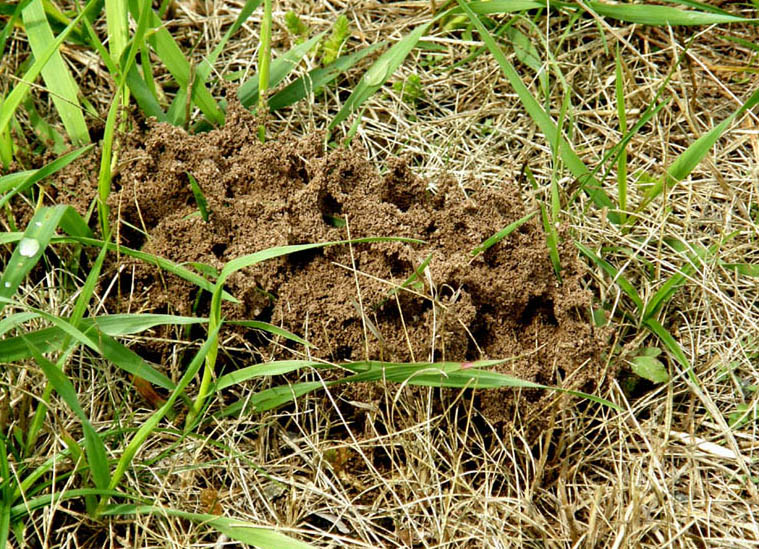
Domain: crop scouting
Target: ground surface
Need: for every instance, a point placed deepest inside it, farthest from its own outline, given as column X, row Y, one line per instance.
column 387, row 466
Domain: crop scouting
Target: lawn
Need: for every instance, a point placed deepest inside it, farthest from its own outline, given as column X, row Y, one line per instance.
column 402, row 274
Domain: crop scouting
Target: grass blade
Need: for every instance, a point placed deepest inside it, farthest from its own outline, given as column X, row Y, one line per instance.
column 58, row 80
column 378, row 73
column 695, row 153
column 29, row 250
column 97, row 457
column 280, row 68
column 576, row 166
column 318, row 78
column 615, row 276
column 12, row 184
column 240, row 530
column 147, row 428
column 240, row 263
column 267, row 369
column 672, row 346
column 11, row 103
column 500, row 235
column 648, row 14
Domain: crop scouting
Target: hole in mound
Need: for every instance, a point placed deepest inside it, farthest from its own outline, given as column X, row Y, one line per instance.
column 331, row 210
column 219, row 249
column 298, row 260
column 539, row 307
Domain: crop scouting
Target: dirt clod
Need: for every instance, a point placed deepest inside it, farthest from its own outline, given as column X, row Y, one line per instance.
column 504, row 303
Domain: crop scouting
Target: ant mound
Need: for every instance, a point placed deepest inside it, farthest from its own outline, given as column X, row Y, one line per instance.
column 392, row 301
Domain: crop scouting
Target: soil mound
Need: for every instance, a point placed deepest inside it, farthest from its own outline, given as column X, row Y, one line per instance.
column 504, row 303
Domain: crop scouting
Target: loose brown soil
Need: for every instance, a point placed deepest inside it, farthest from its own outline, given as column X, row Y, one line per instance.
column 505, row 303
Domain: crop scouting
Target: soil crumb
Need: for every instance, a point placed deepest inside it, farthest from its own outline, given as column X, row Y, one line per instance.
column 505, row 303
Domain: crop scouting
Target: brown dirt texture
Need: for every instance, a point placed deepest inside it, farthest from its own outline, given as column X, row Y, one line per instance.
column 505, row 303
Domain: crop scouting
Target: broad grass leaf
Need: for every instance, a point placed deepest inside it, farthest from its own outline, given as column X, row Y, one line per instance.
column 29, row 250
column 239, row 530
column 12, row 184
column 63, row 89
column 649, row 14
column 318, row 78
column 97, row 457
column 544, row 121
column 672, row 346
column 265, row 369
column 280, row 68
column 378, row 73
column 650, row 368
column 11, row 103
column 48, row 340
column 149, row 426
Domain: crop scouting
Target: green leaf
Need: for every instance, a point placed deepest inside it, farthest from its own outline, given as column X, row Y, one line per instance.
column 30, row 249
column 544, row 121
column 149, row 426
column 11, row 103
column 695, row 153
column 280, row 68
column 378, row 74
column 240, row 530
column 672, row 346
column 12, row 184
column 648, row 14
column 272, row 329
column 63, row 88
column 97, row 457
column 318, row 78
column 612, row 272
column 650, row 368
column 200, row 198
column 266, row 369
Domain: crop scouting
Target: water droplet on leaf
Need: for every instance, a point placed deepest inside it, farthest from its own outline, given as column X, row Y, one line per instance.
column 28, row 247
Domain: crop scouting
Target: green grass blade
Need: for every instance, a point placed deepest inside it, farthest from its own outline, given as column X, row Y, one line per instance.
column 280, row 68
column 318, row 78
column 675, row 281
column 11, row 103
column 97, row 457
column 672, row 346
column 172, row 57
column 200, row 198
column 58, row 80
column 29, row 250
column 615, row 276
column 240, row 263
column 149, row 426
column 51, row 339
column 266, row 369
column 116, row 17
column 500, row 235
column 648, row 14
column 441, row 374
column 239, row 530
column 9, row 323
column 695, row 153
column 272, row 329
column 5, row 495
column 23, row 509
column 145, row 98
column 619, row 88
column 378, row 74
column 576, row 166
